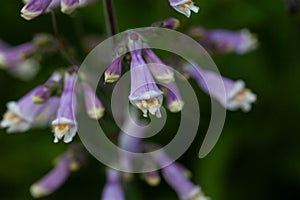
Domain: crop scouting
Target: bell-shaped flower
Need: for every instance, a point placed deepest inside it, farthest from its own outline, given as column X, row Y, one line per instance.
column 64, row 126
column 225, row 41
column 184, row 6
column 18, row 60
column 49, row 89
column 93, row 104
column 69, row 161
column 160, row 71
column 236, row 95
column 113, row 189
column 144, row 92
column 170, row 23
column 34, row 8
column 24, row 114
column 113, row 72
column 174, row 101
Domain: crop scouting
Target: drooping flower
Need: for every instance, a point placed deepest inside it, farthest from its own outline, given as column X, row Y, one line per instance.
column 69, row 161
column 25, row 114
column 174, row 176
column 184, row 188
column 48, row 89
column 184, row 6
column 68, row 6
column 236, row 95
column 94, row 106
column 112, row 189
column 174, row 101
column 144, row 92
column 160, row 71
column 18, row 60
column 225, row 41
column 34, row 8
column 170, row 23
column 64, row 126
column 113, row 72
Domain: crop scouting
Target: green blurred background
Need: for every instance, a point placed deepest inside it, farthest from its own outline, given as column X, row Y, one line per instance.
column 257, row 156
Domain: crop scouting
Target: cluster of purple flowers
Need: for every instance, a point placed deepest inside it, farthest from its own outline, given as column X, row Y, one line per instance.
column 34, row 8
column 54, row 103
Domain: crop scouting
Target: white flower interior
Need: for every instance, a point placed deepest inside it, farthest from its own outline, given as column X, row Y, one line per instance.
column 96, row 112
column 63, row 128
column 175, row 106
column 29, row 15
column 14, row 120
column 150, row 101
column 186, row 8
column 240, row 97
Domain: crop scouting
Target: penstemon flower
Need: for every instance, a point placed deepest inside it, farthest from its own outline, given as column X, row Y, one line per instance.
column 49, row 89
column 225, row 41
column 237, row 96
column 19, row 61
column 174, row 101
column 113, row 72
column 112, row 189
column 64, row 126
column 184, row 6
column 24, row 114
column 174, row 175
column 184, row 188
column 144, row 92
column 71, row 160
column 160, row 71
column 170, row 23
column 94, row 106
column 34, row 8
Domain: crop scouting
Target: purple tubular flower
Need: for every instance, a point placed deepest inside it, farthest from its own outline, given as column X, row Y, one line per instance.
column 47, row 114
column 184, row 188
column 68, row 6
column 13, row 55
column 160, row 71
column 15, row 60
column 112, row 189
column 22, row 114
column 170, row 23
column 53, row 180
column 34, row 8
column 94, row 106
column 64, row 126
column 130, row 143
column 174, row 101
column 113, row 72
column 236, row 95
column 47, row 90
column 184, row 6
column 144, row 92
column 173, row 175
column 225, row 41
